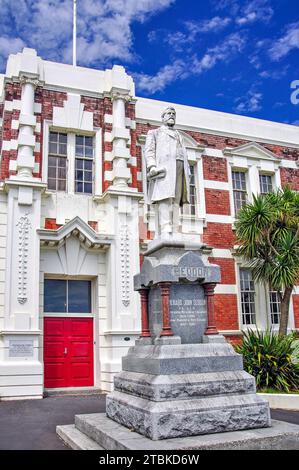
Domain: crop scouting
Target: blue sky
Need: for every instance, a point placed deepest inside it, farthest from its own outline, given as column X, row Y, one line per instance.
column 229, row 55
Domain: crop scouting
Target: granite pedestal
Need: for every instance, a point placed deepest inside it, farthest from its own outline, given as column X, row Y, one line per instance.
column 177, row 380
column 182, row 386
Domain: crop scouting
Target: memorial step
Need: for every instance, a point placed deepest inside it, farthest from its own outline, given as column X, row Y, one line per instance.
column 183, row 386
column 182, row 359
column 175, row 418
column 76, row 439
column 113, row 436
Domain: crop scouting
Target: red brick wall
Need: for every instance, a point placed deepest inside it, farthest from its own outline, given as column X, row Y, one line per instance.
column 214, row 168
column 296, row 309
column 226, row 312
column 290, row 177
column 227, row 268
column 217, row 201
column 218, row 235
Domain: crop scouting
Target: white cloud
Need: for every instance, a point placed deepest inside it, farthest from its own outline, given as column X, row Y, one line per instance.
column 103, row 27
column 288, row 42
column 224, row 51
column 256, row 10
column 167, row 74
column 246, row 12
column 214, row 24
column 251, row 102
column 182, row 69
column 9, row 46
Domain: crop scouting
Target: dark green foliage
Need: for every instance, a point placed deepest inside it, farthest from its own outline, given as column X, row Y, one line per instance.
column 271, row 359
column 267, row 233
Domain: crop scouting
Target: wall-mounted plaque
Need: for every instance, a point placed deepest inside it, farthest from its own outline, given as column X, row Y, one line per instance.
column 20, row 348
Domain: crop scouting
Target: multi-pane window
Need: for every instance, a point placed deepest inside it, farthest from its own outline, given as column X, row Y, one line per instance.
column 83, row 164
column 266, row 184
column 67, row 296
column 274, row 307
column 192, row 190
column 247, row 297
column 239, row 189
column 57, row 161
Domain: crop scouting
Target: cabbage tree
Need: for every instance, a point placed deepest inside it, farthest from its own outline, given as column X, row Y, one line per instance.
column 267, row 232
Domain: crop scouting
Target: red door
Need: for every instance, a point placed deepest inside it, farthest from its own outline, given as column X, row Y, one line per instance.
column 68, row 352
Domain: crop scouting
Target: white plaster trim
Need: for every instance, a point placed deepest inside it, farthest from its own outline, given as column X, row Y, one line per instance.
column 72, row 115
column 252, row 150
column 221, row 253
column 37, row 108
column 108, row 176
column 219, row 219
column 10, row 144
column 220, row 123
column 133, row 161
column 108, row 156
column 289, row 164
column 12, row 165
column 14, row 124
column 208, row 152
column 75, row 224
column 45, row 151
column 98, row 166
column 226, row 289
column 38, row 128
column 210, row 184
column 139, row 176
column 37, row 147
column 107, row 137
column 108, row 118
column 11, row 105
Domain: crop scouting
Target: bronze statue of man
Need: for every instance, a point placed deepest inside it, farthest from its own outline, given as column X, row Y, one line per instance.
column 168, row 173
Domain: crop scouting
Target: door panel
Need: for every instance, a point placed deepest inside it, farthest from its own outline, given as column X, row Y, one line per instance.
column 68, row 352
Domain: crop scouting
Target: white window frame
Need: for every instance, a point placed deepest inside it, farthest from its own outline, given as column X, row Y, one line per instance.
column 71, row 151
column 252, row 167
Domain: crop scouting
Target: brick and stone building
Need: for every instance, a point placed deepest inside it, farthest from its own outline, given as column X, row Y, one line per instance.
column 74, row 223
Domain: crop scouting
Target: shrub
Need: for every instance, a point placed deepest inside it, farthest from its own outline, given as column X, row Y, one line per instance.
column 271, row 359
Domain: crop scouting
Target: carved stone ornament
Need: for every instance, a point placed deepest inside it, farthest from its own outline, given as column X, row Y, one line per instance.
column 23, row 247
column 24, row 79
column 116, row 95
column 125, row 265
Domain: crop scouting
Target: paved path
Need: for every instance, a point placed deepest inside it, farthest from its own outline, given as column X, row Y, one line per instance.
column 30, row 424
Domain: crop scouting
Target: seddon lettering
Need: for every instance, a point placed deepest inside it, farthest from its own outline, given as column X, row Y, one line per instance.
column 189, row 271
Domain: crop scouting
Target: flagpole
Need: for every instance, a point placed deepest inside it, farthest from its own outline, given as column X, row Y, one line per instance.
column 74, row 33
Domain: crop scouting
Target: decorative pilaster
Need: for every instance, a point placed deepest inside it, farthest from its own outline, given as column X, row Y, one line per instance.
column 27, row 123
column 209, row 293
column 145, row 332
column 120, row 138
column 165, row 288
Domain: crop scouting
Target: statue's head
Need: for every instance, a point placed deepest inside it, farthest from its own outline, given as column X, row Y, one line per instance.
column 168, row 116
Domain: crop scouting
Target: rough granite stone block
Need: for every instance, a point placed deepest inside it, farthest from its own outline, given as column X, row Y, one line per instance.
column 178, row 418
column 177, row 387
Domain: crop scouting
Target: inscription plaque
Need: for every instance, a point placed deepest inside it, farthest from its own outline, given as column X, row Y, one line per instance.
column 20, row 348
column 188, row 315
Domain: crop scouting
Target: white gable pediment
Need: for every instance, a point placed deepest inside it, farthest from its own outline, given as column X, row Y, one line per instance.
column 252, row 150
column 76, row 228
column 72, row 115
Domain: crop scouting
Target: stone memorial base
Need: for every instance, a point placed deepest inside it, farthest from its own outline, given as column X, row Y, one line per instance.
column 182, row 386
column 177, row 390
column 97, row 432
